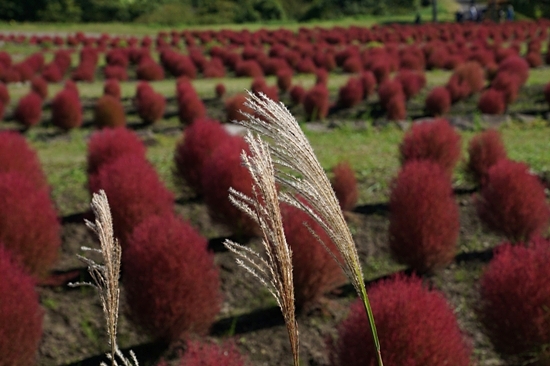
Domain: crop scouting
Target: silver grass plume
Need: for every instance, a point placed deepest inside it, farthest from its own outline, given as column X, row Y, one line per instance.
column 274, row 272
column 106, row 275
column 298, row 169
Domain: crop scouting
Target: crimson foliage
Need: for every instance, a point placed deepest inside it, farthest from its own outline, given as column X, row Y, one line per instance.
column 350, row 94
column 484, row 151
column 284, row 79
column 424, row 217
column 416, row 326
column 112, row 87
column 39, row 86
column 17, row 156
column 199, row 141
column 316, row 102
column 436, row 141
column 297, row 94
column 172, row 285
column 515, row 297
column 344, row 185
column 222, row 170
column 438, row 102
column 28, row 224
column 109, row 112
column 210, row 354
column 315, row 272
column 29, row 110
column 20, row 314
column 150, row 105
column 220, row 90
column 492, row 101
column 190, row 106
column 4, row 93
column 234, row 106
column 513, row 202
column 66, row 110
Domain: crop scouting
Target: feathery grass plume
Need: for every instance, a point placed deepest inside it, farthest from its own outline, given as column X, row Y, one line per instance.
column 106, row 276
column 276, row 272
column 292, row 150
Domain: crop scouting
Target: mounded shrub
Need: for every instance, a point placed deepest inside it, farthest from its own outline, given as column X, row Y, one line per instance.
column 298, row 93
column 424, row 217
column 484, row 151
column 135, row 192
column 220, row 90
column 190, row 106
column 369, row 83
column 109, row 112
column 17, row 156
column 29, row 110
column 199, row 141
column 20, row 314
column 344, row 185
column 105, row 146
column 315, row 272
column 515, row 297
column 66, row 110
column 492, row 101
column 172, row 285
column 149, row 70
column 508, row 84
column 515, row 65
column 472, row 74
column 316, row 102
column 438, row 102
column 397, row 108
column 416, row 326
column 115, row 72
column 223, row 169
column 388, row 90
column 150, row 105
column 412, row 82
column 210, row 354
column 436, row 141
column 39, row 86
column 350, row 94
column 234, row 105
column 29, row 228
column 284, row 79
column 512, row 202
column 112, row 87
column 4, row 94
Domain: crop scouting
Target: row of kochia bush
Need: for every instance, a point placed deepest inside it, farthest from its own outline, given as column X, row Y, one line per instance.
column 173, row 287
column 505, row 81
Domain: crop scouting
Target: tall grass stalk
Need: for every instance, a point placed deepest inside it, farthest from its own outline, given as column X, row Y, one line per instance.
column 297, row 169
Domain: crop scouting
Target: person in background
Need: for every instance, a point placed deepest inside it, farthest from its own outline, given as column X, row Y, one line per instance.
column 510, row 13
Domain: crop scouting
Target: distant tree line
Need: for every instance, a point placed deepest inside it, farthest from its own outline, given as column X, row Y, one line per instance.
column 171, row 12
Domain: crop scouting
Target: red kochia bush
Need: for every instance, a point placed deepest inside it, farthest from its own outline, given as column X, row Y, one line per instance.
column 297, row 94
column 149, row 70
column 39, row 86
column 29, row 228
column 150, row 105
column 492, row 101
column 199, row 141
column 484, row 151
column 220, row 90
column 29, row 110
column 20, row 314
column 172, row 285
column 316, row 102
column 424, row 218
column 109, row 112
column 210, row 354
column 416, row 326
column 105, row 146
column 17, row 156
column 284, row 79
column 344, row 185
column 190, row 106
column 112, row 87
column 135, row 192
column 4, row 94
column 234, row 106
column 223, row 169
column 515, row 298
column 512, row 202
column 350, row 94
column 436, row 141
column 315, row 271
column 438, row 102
column 66, row 110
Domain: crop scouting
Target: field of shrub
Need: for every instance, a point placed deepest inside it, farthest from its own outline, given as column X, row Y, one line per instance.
column 434, row 137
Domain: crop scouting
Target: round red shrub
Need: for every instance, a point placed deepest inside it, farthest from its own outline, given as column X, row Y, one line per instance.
column 149, row 70
column 222, row 170
column 397, row 108
column 210, row 354
column 4, row 94
column 150, row 105
column 492, row 101
column 424, row 217
column 66, row 110
column 298, row 93
column 350, row 94
column 112, row 87
column 20, row 314
column 515, row 65
column 135, row 192
column 436, row 141
column 484, row 151
column 472, row 74
column 190, row 106
column 344, row 185
column 17, row 156
column 534, row 59
column 199, row 141
column 352, row 65
column 412, row 82
column 512, row 202
column 109, row 112
column 438, row 102
column 381, row 71
column 315, row 272
column 234, row 106
column 115, row 72
column 284, row 79
column 369, row 83
column 29, row 228
column 388, row 90
column 172, row 285
column 220, row 90
column 515, row 298
column 29, row 110
column 316, row 102
column 249, row 68
column 39, row 86
column 416, row 326
column 458, row 89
